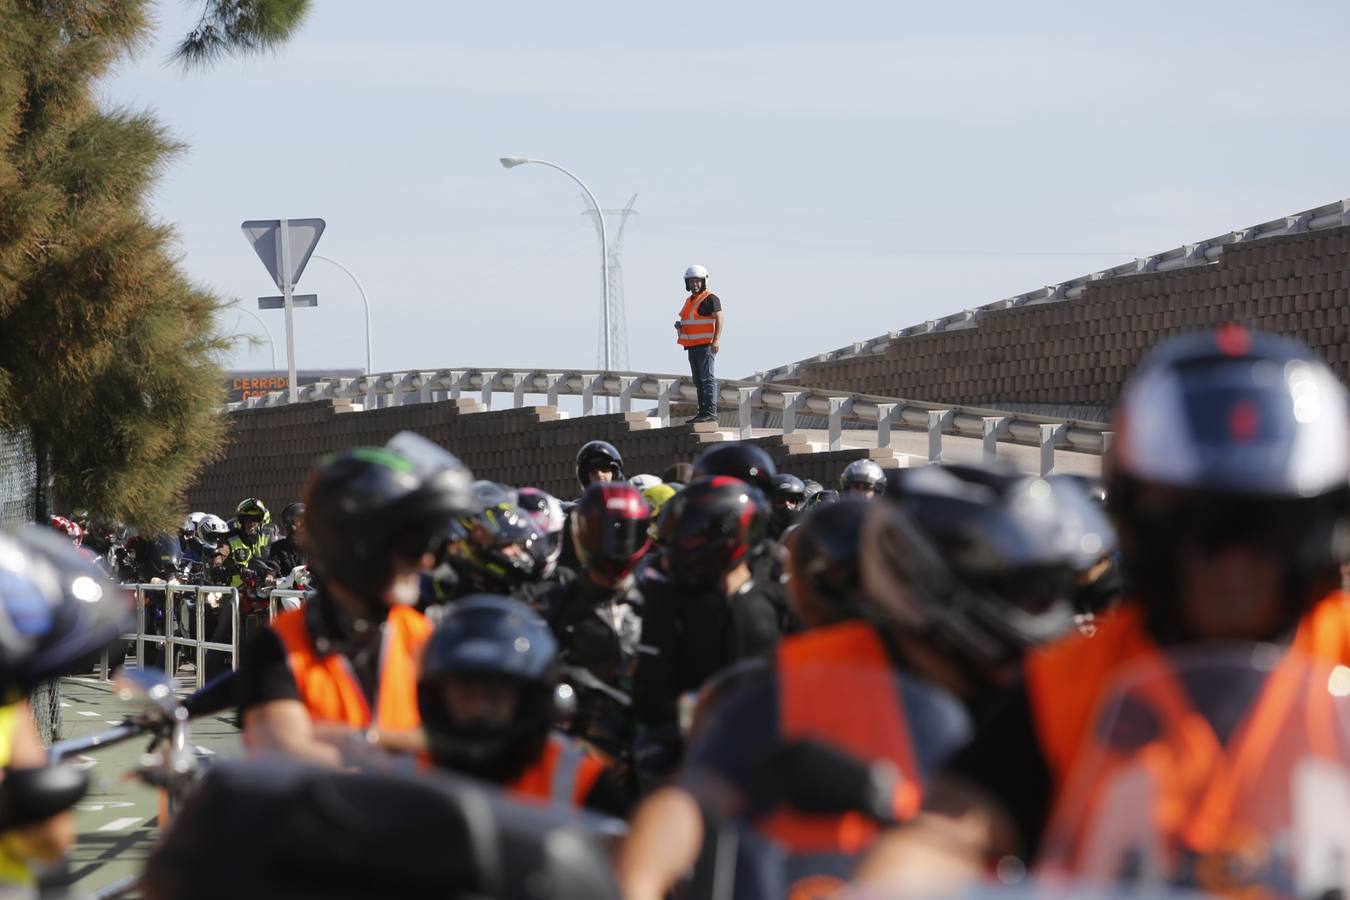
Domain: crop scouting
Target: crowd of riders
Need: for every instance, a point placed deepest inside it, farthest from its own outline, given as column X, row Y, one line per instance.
column 742, row 683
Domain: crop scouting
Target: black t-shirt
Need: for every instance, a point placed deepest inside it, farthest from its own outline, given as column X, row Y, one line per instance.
column 711, row 304
column 265, row 675
column 695, row 634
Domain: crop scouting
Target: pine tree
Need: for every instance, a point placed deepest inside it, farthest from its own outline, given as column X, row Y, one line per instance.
column 108, row 352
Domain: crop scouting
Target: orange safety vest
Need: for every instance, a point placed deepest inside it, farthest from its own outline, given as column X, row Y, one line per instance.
column 565, row 773
column 696, row 330
column 838, row 685
column 1200, row 781
column 328, row 687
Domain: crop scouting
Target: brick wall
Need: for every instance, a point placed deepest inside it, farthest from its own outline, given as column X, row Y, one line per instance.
column 1076, row 353
column 271, row 449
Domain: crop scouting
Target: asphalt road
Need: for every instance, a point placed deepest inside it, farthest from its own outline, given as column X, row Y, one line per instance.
column 117, row 820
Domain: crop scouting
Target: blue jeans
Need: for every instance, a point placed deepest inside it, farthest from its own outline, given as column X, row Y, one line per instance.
column 701, row 366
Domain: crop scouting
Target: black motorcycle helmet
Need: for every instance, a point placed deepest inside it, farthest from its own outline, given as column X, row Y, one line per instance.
column 56, row 610
column 863, row 475
column 747, row 462
column 824, row 585
column 786, row 498
column 978, row 563
column 598, row 455
column 291, row 517
column 1230, row 437
column 491, row 637
column 374, row 502
column 822, row 497
column 709, row 528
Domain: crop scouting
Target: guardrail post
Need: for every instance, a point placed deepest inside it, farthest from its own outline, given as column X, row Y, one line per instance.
column 234, row 629
column 169, row 661
column 552, row 379
column 665, row 387
column 839, row 406
column 994, row 426
column 588, row 393
column 626, row 383
column 887, row 415
column 425, row 386
column 200, row 635
column 938, row 419
column 372, row 400
column 745, row 402
column 140, row 626
column 1050, row 436
column 519, row 381
column 1108, row 438
column 791, row 401
column 395, row 395
column 488, row 383
column 456, row 382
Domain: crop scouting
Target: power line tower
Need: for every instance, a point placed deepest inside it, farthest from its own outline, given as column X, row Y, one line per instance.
column 618, row 325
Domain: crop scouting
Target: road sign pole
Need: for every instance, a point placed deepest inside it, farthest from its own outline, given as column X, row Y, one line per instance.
column 284, row 232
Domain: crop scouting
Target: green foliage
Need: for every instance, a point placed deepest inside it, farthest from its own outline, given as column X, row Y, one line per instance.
column 240, row 26
column 107, row 351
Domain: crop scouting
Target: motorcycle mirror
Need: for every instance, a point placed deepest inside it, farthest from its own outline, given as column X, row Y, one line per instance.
column 816, row 777
column 149, row 687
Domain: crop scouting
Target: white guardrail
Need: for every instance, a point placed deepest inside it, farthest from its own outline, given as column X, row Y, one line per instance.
column 1332, row 215
column 795, row 404
column 173, row 635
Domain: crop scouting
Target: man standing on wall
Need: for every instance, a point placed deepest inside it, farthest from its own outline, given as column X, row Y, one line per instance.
column 700, row 332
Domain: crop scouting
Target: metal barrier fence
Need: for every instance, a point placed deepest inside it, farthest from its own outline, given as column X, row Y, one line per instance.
column 170, row 639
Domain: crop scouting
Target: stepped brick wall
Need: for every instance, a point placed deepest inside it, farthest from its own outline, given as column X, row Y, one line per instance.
column 1077, row 353
column 271, row 449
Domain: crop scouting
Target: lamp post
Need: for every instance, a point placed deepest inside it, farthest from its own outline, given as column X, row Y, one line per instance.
column 271, row 341
column 370, row 366
column 510, row 162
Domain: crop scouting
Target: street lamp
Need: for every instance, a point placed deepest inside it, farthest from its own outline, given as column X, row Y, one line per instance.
column 370, row 367
column 271, row 341
column 510, row 162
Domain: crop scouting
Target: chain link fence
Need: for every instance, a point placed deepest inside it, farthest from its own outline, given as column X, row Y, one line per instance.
column 22, row 500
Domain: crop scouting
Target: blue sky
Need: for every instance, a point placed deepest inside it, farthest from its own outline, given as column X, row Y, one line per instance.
column 841, row 169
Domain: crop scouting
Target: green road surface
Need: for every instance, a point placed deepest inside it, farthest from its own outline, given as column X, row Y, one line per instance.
column 117, row 820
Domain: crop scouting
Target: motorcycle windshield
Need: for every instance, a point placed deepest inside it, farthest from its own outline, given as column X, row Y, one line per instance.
column 1224, row 771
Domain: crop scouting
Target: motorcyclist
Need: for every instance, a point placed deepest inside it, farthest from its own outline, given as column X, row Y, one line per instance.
column 339, row 674
column 597, row 618
column 598, row 461
column 491, row 551
column 708, row 612
column 959, row 574
column 288, row 552
column 864, row 477
column 249, row 542
column 187, row 535
column 787, row 497
column 57, row 609
column 486, row 697
column 546, row 512
column 1228, row 482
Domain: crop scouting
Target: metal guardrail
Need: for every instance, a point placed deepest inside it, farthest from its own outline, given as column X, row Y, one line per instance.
column 1332, row 215
column 170, row 640
column 747, row 398
column 276, row 600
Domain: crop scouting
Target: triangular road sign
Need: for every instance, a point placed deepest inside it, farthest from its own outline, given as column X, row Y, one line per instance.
column 265, row 236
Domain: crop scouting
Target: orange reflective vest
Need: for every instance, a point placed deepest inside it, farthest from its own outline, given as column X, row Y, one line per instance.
column 838, row 685
column 696, row 330
column 1197, row 780
column 329, row 688
column 565, row 773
